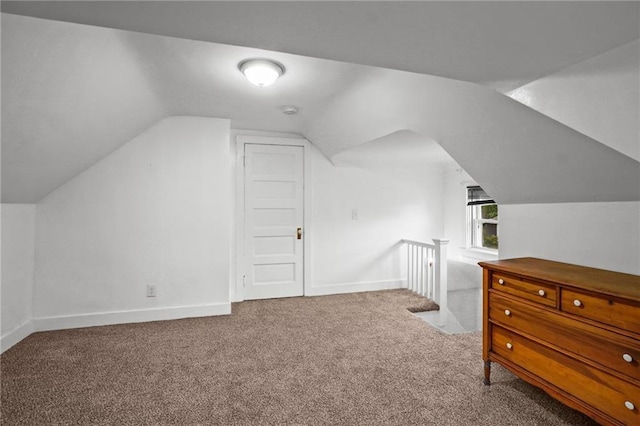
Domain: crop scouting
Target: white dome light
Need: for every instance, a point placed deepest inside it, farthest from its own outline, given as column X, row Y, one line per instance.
column 261, row 72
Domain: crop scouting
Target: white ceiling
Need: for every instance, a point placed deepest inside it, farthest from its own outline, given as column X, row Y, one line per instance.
column 502, row 44
column 74, row 93
column 402, row 149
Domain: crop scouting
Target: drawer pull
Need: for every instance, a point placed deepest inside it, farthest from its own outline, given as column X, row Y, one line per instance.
column 501, row 281
column 627, row 357
column 509, row 346
column 629, row 405
column 507, row 312
column 541, row 292
column 577, row 303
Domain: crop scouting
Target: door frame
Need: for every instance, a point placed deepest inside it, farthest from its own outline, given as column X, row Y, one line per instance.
column 236, row 292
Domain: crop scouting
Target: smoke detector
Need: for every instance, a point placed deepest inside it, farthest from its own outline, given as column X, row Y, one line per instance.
column 289, row 110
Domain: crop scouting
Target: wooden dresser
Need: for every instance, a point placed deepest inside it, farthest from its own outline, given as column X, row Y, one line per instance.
column 571, row 330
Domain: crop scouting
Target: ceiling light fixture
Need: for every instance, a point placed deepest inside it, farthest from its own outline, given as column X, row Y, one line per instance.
column 261, row 72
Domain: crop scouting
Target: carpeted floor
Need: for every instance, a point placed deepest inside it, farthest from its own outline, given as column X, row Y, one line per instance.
column 354, row 359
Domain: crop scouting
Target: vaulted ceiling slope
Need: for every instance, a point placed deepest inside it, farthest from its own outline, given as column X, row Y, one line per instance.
column 517, row 154
column 73, row 93
column 503, row 44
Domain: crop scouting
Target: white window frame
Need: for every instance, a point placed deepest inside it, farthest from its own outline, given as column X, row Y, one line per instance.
column 475, row 222
column 475, row 227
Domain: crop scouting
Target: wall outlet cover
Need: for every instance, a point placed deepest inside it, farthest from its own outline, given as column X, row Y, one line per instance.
column 152, row 290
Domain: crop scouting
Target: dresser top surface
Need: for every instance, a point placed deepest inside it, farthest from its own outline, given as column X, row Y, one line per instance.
column 580, row 277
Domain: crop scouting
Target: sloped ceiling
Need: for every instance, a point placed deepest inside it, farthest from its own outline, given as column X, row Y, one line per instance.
column 517, row 154
column 503, row 44
column 73, row 93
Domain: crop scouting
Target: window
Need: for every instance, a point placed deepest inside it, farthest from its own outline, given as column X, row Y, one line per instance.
column 482, row 213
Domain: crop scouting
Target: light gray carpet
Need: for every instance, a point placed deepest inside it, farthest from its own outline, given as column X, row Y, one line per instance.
column 354, row 359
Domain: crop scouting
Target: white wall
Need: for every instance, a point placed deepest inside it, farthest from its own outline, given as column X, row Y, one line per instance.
column 156, row 211
column 456, row 181
column 393, row 203
column 18, row 237
column 599, row 97
column 600, row 235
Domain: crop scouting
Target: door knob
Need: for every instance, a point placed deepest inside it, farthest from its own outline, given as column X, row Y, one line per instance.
column 299, row 233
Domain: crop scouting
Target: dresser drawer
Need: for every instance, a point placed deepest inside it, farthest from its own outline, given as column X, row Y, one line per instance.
column 531, row 290
column 606, row 348
column 608, row 394
column 601, row 308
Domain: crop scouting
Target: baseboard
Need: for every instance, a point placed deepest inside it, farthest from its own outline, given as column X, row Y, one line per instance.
column 110, row 318
column 125, row 317
column 16, row 335
column 356, row 287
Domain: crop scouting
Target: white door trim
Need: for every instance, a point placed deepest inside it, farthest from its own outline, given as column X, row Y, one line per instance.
column 237, row 290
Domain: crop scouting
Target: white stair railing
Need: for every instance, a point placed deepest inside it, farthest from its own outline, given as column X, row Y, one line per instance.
column 427, row 269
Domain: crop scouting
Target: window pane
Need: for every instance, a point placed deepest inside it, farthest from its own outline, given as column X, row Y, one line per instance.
column 490, row 235
column 490, row 211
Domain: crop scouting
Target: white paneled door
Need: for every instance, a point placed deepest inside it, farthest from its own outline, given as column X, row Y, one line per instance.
column 274, row 203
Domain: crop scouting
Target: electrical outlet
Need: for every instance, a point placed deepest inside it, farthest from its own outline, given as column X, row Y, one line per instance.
column 152, row 290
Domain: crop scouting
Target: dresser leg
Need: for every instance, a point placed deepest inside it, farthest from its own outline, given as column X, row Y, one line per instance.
column 487, row 373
